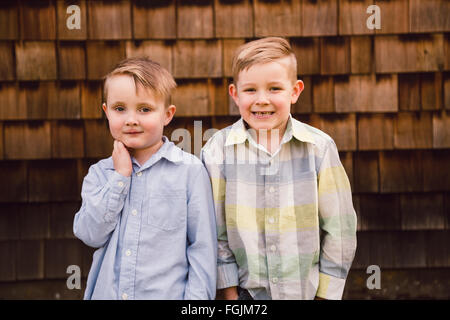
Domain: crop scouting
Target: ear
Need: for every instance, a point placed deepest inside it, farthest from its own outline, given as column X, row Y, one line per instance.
column 105, row 109
column 170, row 111
column 297, row 90
column 232, row 90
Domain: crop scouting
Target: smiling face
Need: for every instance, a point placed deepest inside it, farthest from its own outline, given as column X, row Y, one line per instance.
column 264, row 94
column 136, row 116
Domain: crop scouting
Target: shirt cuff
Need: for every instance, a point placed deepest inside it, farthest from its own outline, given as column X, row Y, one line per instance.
column 330, row 287
column 227, row 275
column 119, row 184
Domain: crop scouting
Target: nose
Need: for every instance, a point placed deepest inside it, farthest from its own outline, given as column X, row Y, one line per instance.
column 261, row 98
column 131, row 119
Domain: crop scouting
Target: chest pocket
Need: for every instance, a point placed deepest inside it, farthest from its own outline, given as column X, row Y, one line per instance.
column 166, row 210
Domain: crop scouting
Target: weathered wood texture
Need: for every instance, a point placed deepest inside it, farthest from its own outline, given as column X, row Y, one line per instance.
column 383, row 95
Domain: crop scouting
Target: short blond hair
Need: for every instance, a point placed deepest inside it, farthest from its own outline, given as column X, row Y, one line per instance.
column 150, row 74
column 263, row 51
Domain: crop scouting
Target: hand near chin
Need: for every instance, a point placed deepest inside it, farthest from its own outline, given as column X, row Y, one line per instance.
column 121, row 159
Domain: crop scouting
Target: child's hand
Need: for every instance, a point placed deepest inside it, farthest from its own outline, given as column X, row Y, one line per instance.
column 230, row 293
column 121, row 159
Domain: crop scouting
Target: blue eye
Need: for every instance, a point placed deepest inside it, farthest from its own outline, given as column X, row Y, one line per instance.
column 249, row 90
column 275, row 88
column 145, row 109
column 119, row 108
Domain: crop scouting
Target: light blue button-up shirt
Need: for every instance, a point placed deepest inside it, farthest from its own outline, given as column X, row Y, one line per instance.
column 155, row 231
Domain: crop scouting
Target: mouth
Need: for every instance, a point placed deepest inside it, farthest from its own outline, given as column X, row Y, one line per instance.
column 262, row 114
column 132, row 132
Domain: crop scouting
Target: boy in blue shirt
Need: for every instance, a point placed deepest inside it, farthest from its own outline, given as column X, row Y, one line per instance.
column 148, row 208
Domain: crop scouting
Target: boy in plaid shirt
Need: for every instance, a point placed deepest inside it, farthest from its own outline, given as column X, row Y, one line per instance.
column 285, row 219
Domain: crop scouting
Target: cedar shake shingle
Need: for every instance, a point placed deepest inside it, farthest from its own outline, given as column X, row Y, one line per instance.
column 154, row 19
column 71, row 54
column 34, row 221
column 27, row 140
column 38, row 20
column 67, row 139
column 366, row 172
column 233, row 19
column 319, row 17
column 30, row 259
column 429, row 15
column 361, row 58
column 441, row 130
column 323, row 94
column 342, row 128
column 411, row 53
column 380, row 212
column 16, row 190
column 109, row 20
column 11, row 109
column 91, row 100
column 353, row 17
column 7, row 71
column 68, row 105
column 413, row 130
column 192, row 99
column 422, row 211
column 401, row 171
column 278, row 18
column 36, row 60
column 304, row 103
column 102, row 145
column 59, row 254
column 394, row 16
column 63, row 17
column 409, row 92
column 195, row 19
column 47, row 181
column 197, row 59
column 229, row 47
column 157, row 50
column 9, row 20
column 335, row 55
column 366, row 93
column 102, row 56
column 375, row 132
column 307, row 52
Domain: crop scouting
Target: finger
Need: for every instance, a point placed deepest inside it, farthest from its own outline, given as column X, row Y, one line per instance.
column 120, row 146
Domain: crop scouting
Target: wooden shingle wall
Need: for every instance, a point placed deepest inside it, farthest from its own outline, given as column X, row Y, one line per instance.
column 383, row 95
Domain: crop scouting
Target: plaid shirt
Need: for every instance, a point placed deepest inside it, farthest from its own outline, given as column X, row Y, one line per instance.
column 285, row 221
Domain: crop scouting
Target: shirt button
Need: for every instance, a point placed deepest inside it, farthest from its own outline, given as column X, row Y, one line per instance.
column 271, row 220
column 134, row 212
column 124, row 296
column 139, row 174
column 271, row 189
column 274, row 280
column 273, row 248
column 128, row 253
column 120, row 184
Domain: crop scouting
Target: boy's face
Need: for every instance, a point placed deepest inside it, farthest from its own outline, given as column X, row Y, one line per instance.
column 136, row 118
column 264, row 94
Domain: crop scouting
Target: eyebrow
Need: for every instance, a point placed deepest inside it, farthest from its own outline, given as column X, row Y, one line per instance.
column 139, row 104
column 115, row 103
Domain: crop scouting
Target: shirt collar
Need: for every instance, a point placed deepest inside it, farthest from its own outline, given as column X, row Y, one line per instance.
column 168, row 151
column 239, row 134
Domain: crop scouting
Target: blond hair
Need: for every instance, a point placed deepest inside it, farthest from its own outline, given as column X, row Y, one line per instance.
column 150, row 74
column 263, row 51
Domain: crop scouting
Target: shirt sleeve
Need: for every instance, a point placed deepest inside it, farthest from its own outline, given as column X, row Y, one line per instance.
column 202, row 243
column 101, row 205
column 337, row 220
column 227, row 268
